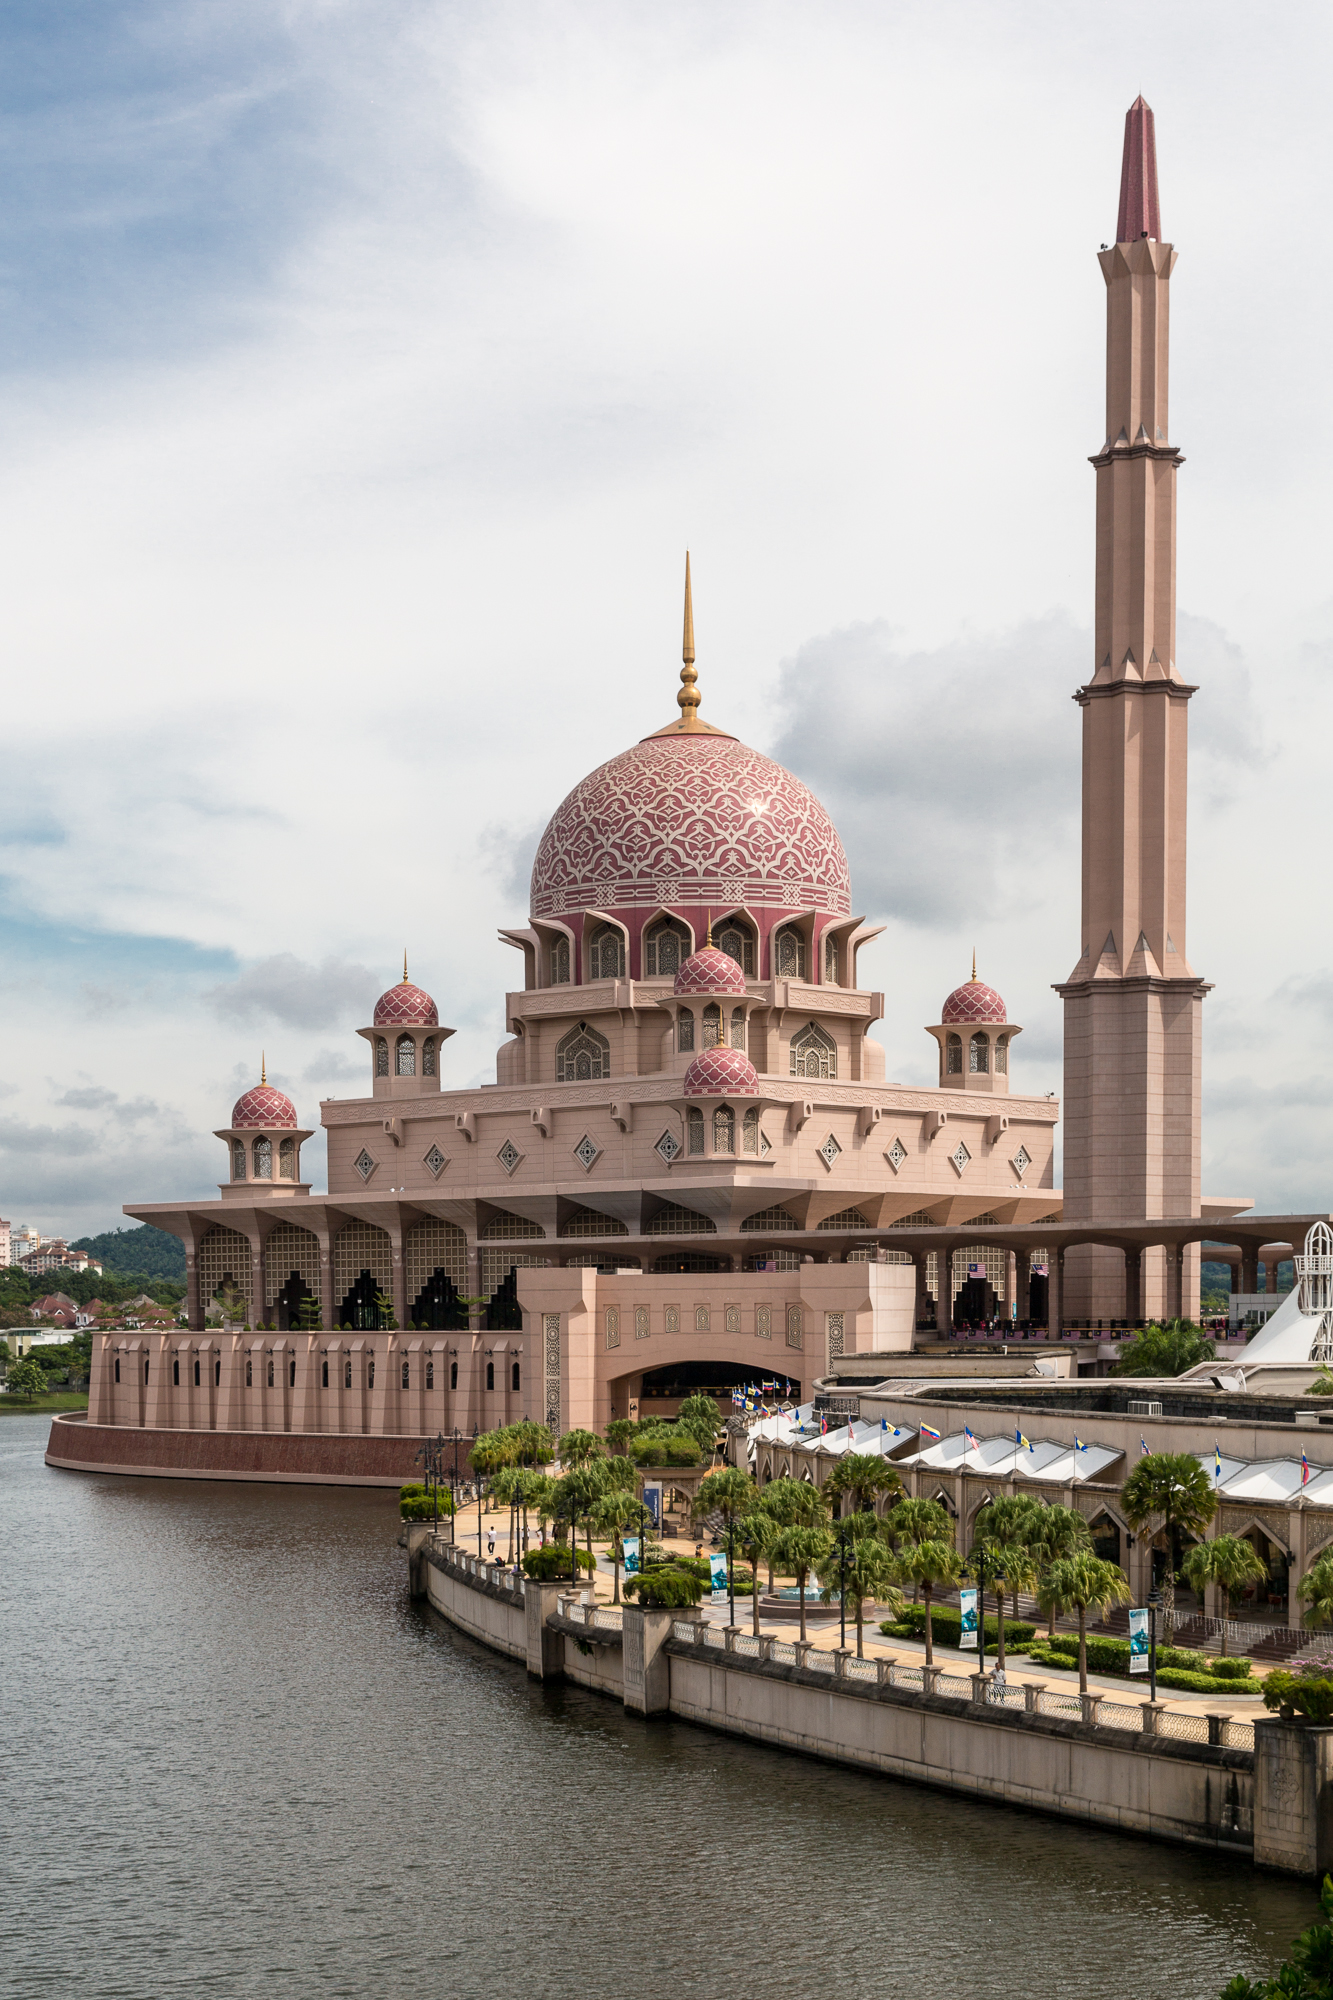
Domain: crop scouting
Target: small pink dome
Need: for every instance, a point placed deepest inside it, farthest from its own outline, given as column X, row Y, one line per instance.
column 973, row 1002
column 710, row 971
column 721, row 1073
column 263, row 1106
column 405, row 1003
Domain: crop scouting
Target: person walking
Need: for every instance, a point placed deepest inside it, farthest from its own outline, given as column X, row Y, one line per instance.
column 490, row 1543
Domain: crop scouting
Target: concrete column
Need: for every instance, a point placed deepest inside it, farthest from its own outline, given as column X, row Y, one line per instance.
column 1175, row 1280
column 647, row 1668
column 1023, row 1262
column 1055, row 1292
column 944, row 1293
column 546, row 1649
column 194, row 1303
column 1298, row 1524
column 1133, row 1284
column 1010, row 1289
column 398, row 1275
column 1249, row 1269
column 1293, row 1766
column 257, row 1301
column 327, row 1302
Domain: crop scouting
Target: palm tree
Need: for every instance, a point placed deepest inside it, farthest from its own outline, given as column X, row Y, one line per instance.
column 1010, row 1566
column 1079, row 1583
column 733, row 1493
column 1058, row 1531
column 930, row 1564
column 491, row 1453
column 862, row 1475
column 794, row 1503
column 757, row 1537
column 1229, row 1561
column 1168, row 1349
column 1174, row 1485
column 798, row 1551
column 612, row 1513
column 1316, row 1590
column 914, row 1520
column 577, row 1447
column 866, row 1570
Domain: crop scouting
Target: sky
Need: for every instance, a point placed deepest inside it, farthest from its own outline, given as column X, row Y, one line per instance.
column 365, row 372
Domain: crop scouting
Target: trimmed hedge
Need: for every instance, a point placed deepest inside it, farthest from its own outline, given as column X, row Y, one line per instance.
column 1172, row 1677
column 416, row 1503
column 946, row 1626
column 1111, row 1656
column 551, row 1564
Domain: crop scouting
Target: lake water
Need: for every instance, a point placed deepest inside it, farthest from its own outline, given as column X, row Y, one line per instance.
column 238, row 1761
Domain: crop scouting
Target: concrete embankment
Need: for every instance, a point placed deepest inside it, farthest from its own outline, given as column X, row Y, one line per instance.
column 1261, row 1791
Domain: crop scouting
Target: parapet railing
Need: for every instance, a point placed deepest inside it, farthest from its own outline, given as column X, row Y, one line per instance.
column 1030, row 1698
column 575, row 1611
column 476, row 1569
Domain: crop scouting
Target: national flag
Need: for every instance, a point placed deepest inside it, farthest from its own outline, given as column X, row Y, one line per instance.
column 1305, row 1468
column 1217, row 1462
column 1078, row 1443
column 823, row 1425
column 1020, row 1441
column 1143, row 1445
column 932, row 1435
column 969, row 1442
column 884, row 1424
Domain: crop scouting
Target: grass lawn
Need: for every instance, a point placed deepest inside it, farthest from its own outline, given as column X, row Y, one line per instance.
column 60, row 1399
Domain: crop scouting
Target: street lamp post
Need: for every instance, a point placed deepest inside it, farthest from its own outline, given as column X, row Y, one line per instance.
column 1154, row 1600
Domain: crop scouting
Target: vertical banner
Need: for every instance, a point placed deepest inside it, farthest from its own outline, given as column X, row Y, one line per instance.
column 718, row 1567
column 967, row 1604
column 1138, row 1642
column 630, row 1545
column 652, row 1500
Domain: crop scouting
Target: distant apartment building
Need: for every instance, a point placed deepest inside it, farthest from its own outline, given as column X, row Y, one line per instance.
column 5, row 1247
column 54, row 1254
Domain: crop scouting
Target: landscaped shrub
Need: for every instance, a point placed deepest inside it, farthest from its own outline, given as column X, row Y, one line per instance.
column 1229, row 1670
column 665, row 1448
column 1111, row 1656
column 699, row 1566
column 1174, row 1677
column 1308, row 1692
column 417, row 1503
column 1065, row 1659
column 667, row 1589
column 551, row 1564
column 946, row 1627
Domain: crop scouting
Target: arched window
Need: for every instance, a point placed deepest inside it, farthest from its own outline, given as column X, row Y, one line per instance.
column 407, row 1375
column 196, row 1374
column 712, row 1025
column 735, row 937
column 370, row 1373
column 490, row 1374
column 249, row 1372
column 406, row 1053
column 684, row 1030
column 513, row 1376
column 1002, row 1055
column 263, row 1152
column 237, row 1160
column 453, row 1374
column 560, row 962
column 347, row 1373
column 428, row 1056
column 381, row 1056
column 145, row 1371
column 750, row 1141
column 176, row 1373
column 953, row 1056
column 724, row 1129
column 287, row 1160
column 606, row 954
column 978, row 1058
column 831, row 973
column 813, row 1053
column 694, row 1126
column 430, row 1374
column 789, row 955
column 583, row 1056
column 118, row 1368
column 270, row 1371
column 738, row 1027
column 217, row 1373
column 291, row 1373
column 324, row 1373
column 666, row 945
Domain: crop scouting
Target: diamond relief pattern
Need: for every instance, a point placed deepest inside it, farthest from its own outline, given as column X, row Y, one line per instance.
column 960, row 1156
column 829, row 1151
column 704, row 814
column 586, row 1153
column 509, row 1156
column 364, row 1165
column 896, row 1155
column 668, row 1146
column 1021, row 1161
column 436, row 1161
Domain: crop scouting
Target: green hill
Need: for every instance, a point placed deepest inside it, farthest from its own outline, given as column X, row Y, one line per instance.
column 144, row 1252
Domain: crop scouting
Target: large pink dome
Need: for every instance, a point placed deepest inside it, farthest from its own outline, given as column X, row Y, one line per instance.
column 710, row 971
column 690, row 821
column 721, row 1073
column 973, row 1002
column 405, row 1003
column 262, row 1107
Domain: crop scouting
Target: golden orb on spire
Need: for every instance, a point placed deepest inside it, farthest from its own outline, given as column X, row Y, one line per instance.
column 405, row 978
column 263, row 1067
column 974, row 961
column 688, row 699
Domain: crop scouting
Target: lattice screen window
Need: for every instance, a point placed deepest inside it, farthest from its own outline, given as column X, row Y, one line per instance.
column 504, row 1226
column 918, row 1219
column 978, row 1055
column 830, row 961
column 846, row 1218
column 769, row 1219
column 582, row 1056
column 381, row 1056
column 665, row 949
column 224, row 1257
column 433, row 1246
column 435, row 1162
column 1001, row 1055
column 671, row 1319
column 287, row 1160
column 750, row 1132
column 789, row 955
column 694, row 1129
column 712, row 1025
column 834, row 1329
column 551, row 1343
column 509, row 1156
column 587, row 1152
column 702, row 1319
column 560, row 963
column 814, row 1053
column 497, row 1264
column 672, row 1220
column 262, row 1156
column 781, row 1260
column 357, row 1248
column 587, row 1222
column 613, row 1326
column 724, row 1129
column 406, row 1054
column 642, row 1323
column 897, row 1155
column 606, row 954
column 428, row 1056
column 829, row 1151
column 763, row 1322
column 738, row 1027
column 733, row 1319
column 795, row 1326
column 1021, row 1161
column 237, row 1160
column 592, row 1260
column 953, row 1055
column 288, row 1249
column 364, row 1165
column 960, row 1158
column 736, row 939
column 684, row 1030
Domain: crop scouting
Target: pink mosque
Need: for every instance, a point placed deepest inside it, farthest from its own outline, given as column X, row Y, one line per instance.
column 691, row 1169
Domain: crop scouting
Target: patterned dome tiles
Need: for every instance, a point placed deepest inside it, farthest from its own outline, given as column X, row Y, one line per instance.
column 721, row 1073
column 405, row 1003
column 710, row 971
column 718, row 822
column 262, row 1106
column 973, row 1002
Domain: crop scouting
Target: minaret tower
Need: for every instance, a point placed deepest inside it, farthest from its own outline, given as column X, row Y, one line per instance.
column 1133, row 1006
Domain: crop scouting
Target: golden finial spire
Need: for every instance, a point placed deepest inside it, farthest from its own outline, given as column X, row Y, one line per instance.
column 688, row 698
column 405, row 980
column 263, row 1067
column 974, row 961
column 708, row 941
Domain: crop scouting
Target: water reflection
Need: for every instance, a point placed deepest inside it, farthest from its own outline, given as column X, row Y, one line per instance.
column 241, row 1763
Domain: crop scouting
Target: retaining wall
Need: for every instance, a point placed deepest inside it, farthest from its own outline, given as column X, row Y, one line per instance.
column 278, row 1457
